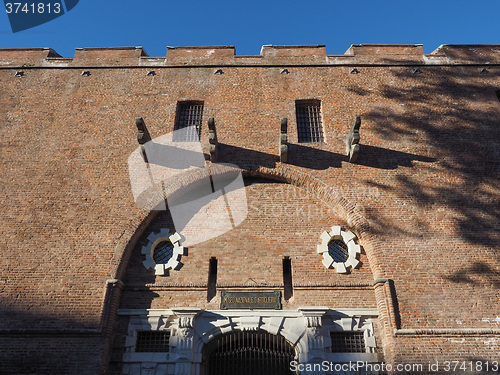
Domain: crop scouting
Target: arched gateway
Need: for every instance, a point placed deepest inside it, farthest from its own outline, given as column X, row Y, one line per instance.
column 290, row 284
column 248, row 353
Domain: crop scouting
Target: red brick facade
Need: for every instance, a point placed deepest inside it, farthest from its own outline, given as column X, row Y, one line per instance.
column 422, row 198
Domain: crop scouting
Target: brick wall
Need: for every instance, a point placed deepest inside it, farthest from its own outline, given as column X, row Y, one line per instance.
column 50, row 354
column 283, row 221
column 422, row 197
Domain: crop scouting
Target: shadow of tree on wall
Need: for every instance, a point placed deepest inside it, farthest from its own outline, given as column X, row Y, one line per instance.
column 479, row 273
column 246, row 158
column 310, row 157
column 41, row 343
column 384, row 158
column 456, row 113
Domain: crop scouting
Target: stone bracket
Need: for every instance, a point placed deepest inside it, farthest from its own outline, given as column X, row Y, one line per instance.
column 212, row 140
column 352, row 141
column 142, row 136
column 283, row 141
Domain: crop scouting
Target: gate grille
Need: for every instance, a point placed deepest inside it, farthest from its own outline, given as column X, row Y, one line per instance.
column 249, row 353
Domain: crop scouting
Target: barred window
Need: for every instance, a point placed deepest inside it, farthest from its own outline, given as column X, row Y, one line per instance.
column 189, row 117
column 152, row 341
column 309, row 124
column 338, row 251
column 163, row 252
column 348, row 342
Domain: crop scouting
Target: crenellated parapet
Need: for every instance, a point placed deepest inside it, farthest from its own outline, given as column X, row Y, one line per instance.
column 385, row 53
column 315, row 54
column 468, row 53
column 108, row 56
column 26, row 57
column 200, row 55
column 270, row 55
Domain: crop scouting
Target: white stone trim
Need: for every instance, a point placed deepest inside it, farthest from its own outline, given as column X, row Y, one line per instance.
column 307, row 329
column 153, row 240
column 353, row 248
column 353, row 322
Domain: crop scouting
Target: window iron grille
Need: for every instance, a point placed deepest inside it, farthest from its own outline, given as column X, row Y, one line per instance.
column 309, row 124
column 152, row 341
column 348, row 342
column 163, row 252
column 189, row 117
column 338, row 251
column 249, row 353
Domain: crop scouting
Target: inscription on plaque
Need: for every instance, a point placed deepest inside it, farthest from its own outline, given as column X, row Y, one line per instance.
column 250, row 300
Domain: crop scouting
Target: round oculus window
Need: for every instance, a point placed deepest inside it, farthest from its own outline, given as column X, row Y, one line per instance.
column 338, row 251
column 163, row 252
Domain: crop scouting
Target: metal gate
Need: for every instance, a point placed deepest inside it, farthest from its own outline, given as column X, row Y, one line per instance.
column 249, row 353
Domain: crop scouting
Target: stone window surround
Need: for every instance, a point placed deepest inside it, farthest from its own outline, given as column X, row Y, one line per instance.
column 348, row 237
column 155, row 239
column 307, row 328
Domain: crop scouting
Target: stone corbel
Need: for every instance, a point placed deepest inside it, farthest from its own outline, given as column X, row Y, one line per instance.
column 313, row 312
column 186, row 315
column 283, row 144
column 352, row 142
column 212, row 140
column 142, row 136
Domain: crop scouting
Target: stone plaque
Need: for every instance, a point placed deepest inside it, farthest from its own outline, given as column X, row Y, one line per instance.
column 250, row 300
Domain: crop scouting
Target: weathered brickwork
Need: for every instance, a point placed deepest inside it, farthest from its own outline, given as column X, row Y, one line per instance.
column 422, row 198
column 283, row 221
column 44, row 353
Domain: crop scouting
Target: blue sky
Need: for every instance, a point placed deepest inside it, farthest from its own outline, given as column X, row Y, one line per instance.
column 155, row 24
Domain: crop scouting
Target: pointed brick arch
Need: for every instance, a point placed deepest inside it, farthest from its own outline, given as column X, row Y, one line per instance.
column 328, row 194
